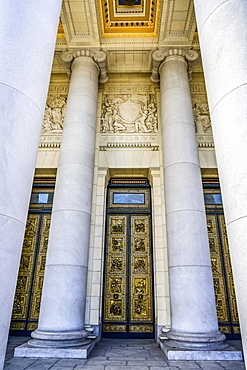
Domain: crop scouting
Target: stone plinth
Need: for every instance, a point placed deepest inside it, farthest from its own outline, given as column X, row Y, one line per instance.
column 79, row 352
column 228, row 354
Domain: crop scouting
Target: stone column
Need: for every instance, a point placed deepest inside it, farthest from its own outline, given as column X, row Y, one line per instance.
column 193, row 311
column 25, row 67
column 61, row 320
column 223, row 34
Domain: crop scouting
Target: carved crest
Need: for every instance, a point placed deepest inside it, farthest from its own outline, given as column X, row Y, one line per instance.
column 129, row 114
column 129, row 111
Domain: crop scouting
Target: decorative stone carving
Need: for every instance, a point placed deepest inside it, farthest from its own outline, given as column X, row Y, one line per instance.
column 129, row 114
column 159, row 55
column 98, row 56
column 202, row 118
column 54, row 113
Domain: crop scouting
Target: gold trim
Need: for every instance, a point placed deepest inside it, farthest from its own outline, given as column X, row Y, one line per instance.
column 140, row 277
column 144, row 206
column 17, row 325
column 114, row 328
column 236, row 330
column 40, row 269
column 217, row 268
column 141, row 328
column 225, row 329
column 228, row 267
column 132, row 23
column 32, row 326
column 116, row 269
column 24, row 280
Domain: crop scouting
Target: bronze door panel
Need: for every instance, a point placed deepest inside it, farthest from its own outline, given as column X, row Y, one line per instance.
column 226, row 305
column 26, row 306
column 128, row 302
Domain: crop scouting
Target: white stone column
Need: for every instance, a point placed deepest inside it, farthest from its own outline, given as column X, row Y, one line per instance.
column 193, row 311
column 223, row 34
column 27, row 41
column 61, row 320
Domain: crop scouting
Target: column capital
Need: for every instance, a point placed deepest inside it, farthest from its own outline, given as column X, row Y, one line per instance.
column 159, row 55
column 98, row 56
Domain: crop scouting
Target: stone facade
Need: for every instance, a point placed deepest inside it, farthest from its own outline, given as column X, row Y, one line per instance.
column 126, row 98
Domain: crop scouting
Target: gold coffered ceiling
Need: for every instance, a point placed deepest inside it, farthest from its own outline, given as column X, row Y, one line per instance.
column 120, row 20
column 113, row 27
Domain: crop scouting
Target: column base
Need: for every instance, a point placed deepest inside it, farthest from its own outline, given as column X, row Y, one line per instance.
column 228, row 354
column 197, row 347
column 74, row 352
column 42, row 339
column 201, row 342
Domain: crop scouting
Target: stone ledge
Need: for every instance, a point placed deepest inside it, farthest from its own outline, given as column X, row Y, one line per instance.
column 228, row 354
column 75, row 352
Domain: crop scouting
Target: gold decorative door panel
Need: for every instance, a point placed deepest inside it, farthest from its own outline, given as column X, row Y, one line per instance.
column 128, row 299
column 26, row 306
column 222, row 275
column 116, row 274
column 140, row 274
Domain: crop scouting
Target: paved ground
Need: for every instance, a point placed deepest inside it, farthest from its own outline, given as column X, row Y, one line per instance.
column 117, row 354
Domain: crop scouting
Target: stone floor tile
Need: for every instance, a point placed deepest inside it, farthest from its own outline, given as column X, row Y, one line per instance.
column 90, row 367
column 43, row 364
column 96, row 361
column 185, row 364
column 127, row 352
column 19, row 364
column 125, row 359
column 160, row 357
column 156, row 352
column 98, row 351
column 62, row 368
column 63, row 362
column 232, row 365
column 210, row 365
column 110, row 367
column 149, row 362
column 164, row 368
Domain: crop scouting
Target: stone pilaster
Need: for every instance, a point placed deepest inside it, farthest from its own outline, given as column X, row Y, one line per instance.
column 61, row 321
column 193, row 311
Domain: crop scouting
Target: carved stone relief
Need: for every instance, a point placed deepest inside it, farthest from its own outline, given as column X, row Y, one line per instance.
column 129, row 114
column 54, row 113
column 202, row 118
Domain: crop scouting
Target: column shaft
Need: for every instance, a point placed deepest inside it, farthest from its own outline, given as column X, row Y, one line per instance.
column 223, row 34
column 27, row 41
column 61, row 321
column 193, row 312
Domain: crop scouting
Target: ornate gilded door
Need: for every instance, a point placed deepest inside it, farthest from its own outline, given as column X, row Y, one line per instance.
column 128, row 287
column 226, row 304
column 26, row 306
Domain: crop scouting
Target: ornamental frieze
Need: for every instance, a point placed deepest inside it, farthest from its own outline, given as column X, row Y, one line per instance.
column 123, row 114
